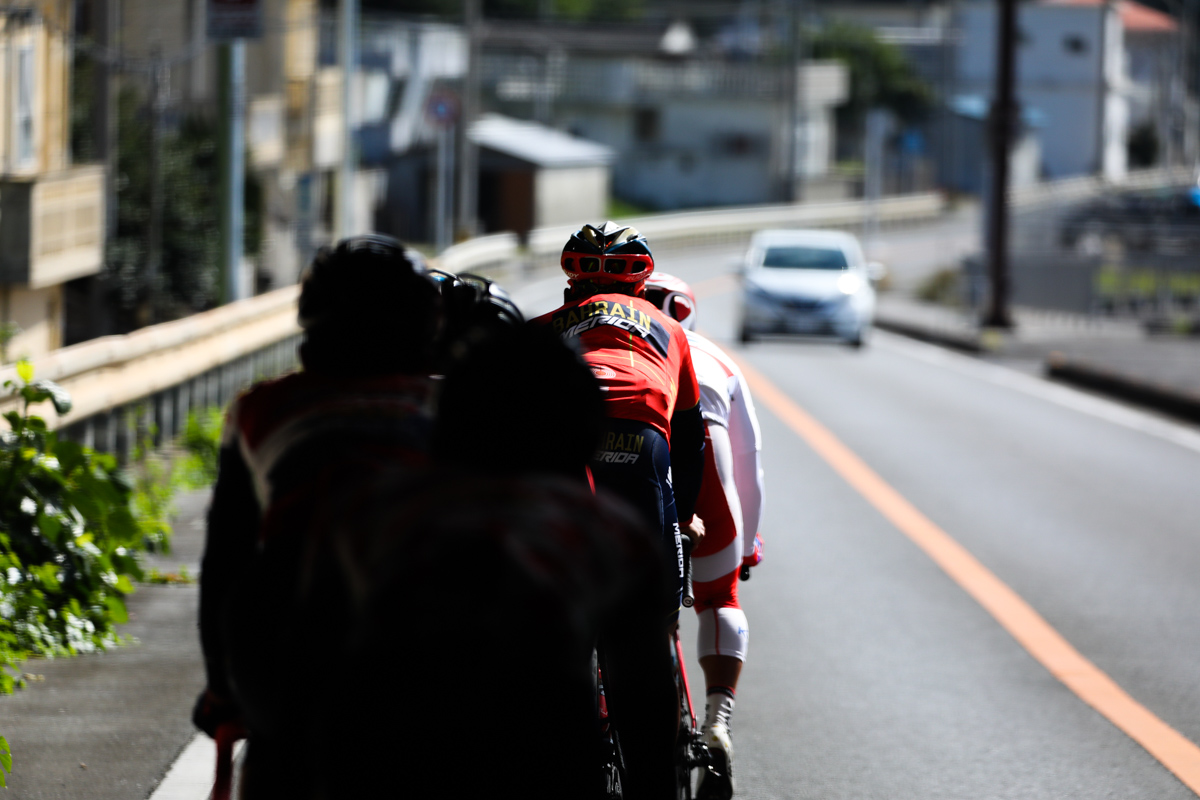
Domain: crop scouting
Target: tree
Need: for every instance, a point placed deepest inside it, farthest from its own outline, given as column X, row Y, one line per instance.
column 880, row 75
column 190, row 276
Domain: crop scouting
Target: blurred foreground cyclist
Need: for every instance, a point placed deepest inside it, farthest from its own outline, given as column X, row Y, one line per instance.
column 650, row 453
column 478, row 598
column 296, row 452
column 730, row 503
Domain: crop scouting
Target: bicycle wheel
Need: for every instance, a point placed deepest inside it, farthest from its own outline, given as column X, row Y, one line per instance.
column 683, row 767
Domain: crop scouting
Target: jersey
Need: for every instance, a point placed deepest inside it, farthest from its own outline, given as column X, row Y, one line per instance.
column 296, row 454
column 725, row 401
column 640, row 356
column 730, row 502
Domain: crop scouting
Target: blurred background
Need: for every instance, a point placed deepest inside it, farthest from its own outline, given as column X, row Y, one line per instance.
column 458, row 118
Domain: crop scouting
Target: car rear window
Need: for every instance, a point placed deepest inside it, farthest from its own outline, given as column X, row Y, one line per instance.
column 792, row 257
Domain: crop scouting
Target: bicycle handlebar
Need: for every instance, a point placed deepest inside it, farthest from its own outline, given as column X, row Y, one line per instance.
column 688, row 599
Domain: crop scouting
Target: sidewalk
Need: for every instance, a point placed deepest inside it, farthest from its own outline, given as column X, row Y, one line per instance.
column 108, row 726
column 1114, row 357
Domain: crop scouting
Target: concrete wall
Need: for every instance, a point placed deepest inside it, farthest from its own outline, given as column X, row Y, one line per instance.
column 570, row 196
column 38, row 313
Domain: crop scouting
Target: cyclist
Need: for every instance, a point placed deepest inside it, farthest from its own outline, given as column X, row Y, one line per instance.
column 295, row 452
column 483, row 590
column 731, row 505
column 650, row 453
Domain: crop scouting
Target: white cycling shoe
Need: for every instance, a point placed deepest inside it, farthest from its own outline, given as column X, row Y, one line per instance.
column 717, row 781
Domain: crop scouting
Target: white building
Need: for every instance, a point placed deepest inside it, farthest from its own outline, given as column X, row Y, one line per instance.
column 531, row 176
column 1071, row 66
column 691, row 127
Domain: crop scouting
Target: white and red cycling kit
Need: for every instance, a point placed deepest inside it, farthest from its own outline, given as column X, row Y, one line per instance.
column 730, row 502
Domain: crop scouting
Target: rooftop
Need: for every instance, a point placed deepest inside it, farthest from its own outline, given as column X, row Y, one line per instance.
column 1135, row 17
column 538, row 144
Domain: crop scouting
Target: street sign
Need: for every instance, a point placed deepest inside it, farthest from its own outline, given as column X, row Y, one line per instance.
column 235, row 19
column 442, row 109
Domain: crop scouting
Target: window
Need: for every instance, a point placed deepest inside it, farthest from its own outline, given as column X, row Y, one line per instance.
column 804, row 258
column 645, row 124
column 24, row 113
column 1075, row 45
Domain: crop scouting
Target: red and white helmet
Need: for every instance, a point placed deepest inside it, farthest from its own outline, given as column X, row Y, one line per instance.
column 674, row 297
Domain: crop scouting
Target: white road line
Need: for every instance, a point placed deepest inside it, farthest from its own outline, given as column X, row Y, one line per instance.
column 1042, row 389
column 191, row 776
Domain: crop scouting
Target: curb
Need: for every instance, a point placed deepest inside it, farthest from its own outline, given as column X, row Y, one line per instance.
column 962, row 342
column 1169, row 400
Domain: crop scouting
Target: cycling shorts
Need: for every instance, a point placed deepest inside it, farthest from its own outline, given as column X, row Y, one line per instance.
column 633, row 460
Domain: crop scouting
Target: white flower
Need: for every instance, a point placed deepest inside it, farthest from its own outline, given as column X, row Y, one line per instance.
column 28, row 506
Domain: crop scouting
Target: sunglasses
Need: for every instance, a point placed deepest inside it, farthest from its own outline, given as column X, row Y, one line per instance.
column 611, row 265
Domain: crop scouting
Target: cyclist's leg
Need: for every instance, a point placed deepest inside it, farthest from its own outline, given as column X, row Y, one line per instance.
column 723, row 634
column 639, row 679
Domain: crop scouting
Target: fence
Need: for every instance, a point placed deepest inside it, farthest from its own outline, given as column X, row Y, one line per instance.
column 1084, row 246
column 150, row 378
column 147, row 381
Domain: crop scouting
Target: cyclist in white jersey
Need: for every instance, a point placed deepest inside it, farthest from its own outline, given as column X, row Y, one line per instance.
column 730, row 503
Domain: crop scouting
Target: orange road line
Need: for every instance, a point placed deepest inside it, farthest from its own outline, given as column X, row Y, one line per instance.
column 1177, row 753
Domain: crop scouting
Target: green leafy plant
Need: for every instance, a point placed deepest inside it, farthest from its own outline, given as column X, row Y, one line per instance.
column 202, row 441
column 180, row 577
column 153, row 495
column 68, row 540
column 5, row 760
column 68, row 536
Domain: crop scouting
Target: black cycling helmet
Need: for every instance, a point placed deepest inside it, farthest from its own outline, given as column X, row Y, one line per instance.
column 611, row 253
column 362, row 276
column 472, row 299
column 476, row 309
column 368, row 299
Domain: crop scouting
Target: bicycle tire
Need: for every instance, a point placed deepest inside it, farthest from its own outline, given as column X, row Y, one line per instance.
column 683, row 769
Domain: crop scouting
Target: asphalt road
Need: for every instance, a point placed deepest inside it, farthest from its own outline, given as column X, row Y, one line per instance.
column 871, row 673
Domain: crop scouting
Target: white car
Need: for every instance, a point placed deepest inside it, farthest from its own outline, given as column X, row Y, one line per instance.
column 807, row 282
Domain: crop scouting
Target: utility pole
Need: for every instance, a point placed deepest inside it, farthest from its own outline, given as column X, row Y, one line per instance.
column 1003, row 120
column 160, row 77
column 106, row 29
column 231, row 69
column 800, row 117
column 791, row 102
column 468, row 154
column 345, row 223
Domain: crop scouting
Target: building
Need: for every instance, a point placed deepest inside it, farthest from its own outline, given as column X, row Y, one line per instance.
column 52, row 211
column 531, row 176
column 293, row 115
column 1156, row 85
column 1071, row 66
column 690, row 127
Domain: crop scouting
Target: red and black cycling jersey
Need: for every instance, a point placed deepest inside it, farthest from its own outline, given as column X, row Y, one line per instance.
column 640, row 356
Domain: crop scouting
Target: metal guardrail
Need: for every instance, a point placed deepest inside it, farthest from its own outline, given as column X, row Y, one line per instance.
column 735, row 224
column 124, row 387
column 151, row 377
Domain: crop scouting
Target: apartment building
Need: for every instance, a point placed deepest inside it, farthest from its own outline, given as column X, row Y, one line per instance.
column 51, row 210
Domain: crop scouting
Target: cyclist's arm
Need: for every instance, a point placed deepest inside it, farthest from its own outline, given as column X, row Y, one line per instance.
column 233, row 520
column 746, row 440
column 687, row 434
column 687, row 459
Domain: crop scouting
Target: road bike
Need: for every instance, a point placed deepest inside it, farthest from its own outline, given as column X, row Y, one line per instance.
column 691, row 753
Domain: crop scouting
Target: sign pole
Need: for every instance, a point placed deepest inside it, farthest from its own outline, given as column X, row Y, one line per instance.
column 347, row 41
column 232, row 159
column 231, row 22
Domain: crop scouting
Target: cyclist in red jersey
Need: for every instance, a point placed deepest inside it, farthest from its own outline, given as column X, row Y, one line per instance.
column 650, row 453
